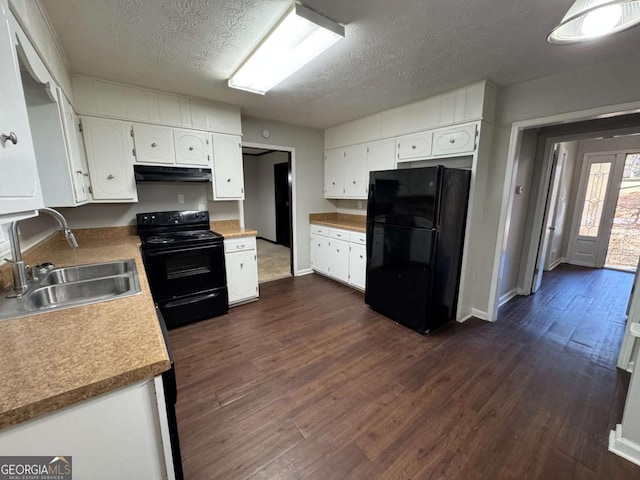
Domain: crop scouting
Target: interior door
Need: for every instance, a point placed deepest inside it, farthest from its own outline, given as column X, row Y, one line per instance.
column 549, row 216
column 281, row 192
column 595, row 208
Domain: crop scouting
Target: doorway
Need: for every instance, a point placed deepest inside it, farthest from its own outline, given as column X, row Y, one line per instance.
column 268, row 208
column 624, row 241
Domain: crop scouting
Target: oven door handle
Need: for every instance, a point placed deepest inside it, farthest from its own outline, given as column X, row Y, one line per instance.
column 156, row 253
column 187, row 301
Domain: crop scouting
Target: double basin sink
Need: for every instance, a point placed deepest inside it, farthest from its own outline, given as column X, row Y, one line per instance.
column 74, row 286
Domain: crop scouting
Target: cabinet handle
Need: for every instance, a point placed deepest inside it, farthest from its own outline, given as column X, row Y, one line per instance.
column 333, row 183
column 12, row 137
column 241, row 265
column 85, row 174
column 239, row 246
column 360, row 256
column 228, row 180
column 110, row 177
column 190, row 149
column 154, row 145
column 354, row 182
column 79, row 172
column 452, row 140
column 338, row 250
column 413, row 146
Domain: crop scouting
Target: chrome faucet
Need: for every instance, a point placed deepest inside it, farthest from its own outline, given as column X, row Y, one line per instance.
column 19, row 268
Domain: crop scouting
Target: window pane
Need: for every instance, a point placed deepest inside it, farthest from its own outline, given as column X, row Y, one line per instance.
column 594, row 199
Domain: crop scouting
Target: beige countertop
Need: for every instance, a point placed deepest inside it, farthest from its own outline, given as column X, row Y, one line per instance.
column 232, row 229
column 355, row 223
column 51, row 360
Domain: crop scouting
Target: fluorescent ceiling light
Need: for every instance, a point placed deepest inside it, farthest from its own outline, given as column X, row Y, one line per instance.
column 300, row 37
column 590, row 19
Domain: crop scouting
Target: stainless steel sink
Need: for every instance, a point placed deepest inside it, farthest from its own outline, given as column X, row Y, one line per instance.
column 77, row 293
column 74, row 286
column 87, row 272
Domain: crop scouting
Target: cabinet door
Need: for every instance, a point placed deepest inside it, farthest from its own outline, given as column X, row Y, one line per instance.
column 110, row 157
column 75, row 148
column 153, row 144
column 355, row 168
column 339, row 259
column 19, row 183
column 381, row 155
column 242, row 275
column 228, row 181
column 417, row 145
column 192, row 148
column 455, row 141
column 319, row 253
column 334, row 173
column 357, row 265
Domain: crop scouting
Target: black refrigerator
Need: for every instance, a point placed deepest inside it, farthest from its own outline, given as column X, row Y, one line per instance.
column 415, row 234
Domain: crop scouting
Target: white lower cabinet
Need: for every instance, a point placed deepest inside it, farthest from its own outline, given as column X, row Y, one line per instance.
column 357, row 265
column 320, row 253
column 242, row 269
column 129, row 424
column 339, row 259
column 339, row 254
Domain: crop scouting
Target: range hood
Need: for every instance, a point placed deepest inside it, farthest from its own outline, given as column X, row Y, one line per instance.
column 149, row 173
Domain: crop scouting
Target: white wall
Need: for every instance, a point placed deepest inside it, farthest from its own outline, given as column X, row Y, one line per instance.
column 613, row 82
column 308, row 172
column 260, row 204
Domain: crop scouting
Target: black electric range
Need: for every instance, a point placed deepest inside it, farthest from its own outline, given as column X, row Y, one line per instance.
column 184, row 261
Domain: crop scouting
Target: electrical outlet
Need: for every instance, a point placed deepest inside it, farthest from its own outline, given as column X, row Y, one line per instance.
column 180, row 198
column 201, row 206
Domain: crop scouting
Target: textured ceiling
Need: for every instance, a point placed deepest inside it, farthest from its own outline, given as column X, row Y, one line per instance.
column 395, row 51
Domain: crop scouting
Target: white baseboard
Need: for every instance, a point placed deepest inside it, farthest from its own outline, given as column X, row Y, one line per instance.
column 522, row 291
column 623, row 447
column 507, row 296
column 305, row 271
column 556, row 263
column 479, row 314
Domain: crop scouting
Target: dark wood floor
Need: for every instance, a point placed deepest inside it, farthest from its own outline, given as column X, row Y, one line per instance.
column 310, row 383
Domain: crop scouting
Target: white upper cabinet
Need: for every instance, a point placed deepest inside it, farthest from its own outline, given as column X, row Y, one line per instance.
column 110, row 155
column 192, row 148
column 117, row 100
column 77, row 154
column 455, row 140
column 153, row 145
column 228, row 178
column 355, row 177
column 415, row 146
column 381, row 155
column 334, row 173
column 19, row 183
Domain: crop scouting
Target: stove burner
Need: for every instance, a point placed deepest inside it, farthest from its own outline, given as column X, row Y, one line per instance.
column 159, row 239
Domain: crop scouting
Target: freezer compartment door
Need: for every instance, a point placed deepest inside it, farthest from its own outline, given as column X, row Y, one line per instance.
column 399, row 273
column 405, row 197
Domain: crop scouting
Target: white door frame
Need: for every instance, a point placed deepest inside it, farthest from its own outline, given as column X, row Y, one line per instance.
column 294, row 222
column 509, row 184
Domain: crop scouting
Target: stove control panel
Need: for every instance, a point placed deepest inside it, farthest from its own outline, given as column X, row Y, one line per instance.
column 186, row 217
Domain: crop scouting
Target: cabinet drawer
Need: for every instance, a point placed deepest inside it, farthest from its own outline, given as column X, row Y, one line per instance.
column 359, row 238
column 455, row 140
column 318, row 230
column 417, row 145
column 339, row 234
column 239, row 244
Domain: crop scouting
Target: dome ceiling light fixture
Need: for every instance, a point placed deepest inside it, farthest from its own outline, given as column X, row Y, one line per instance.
column 591, row 19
